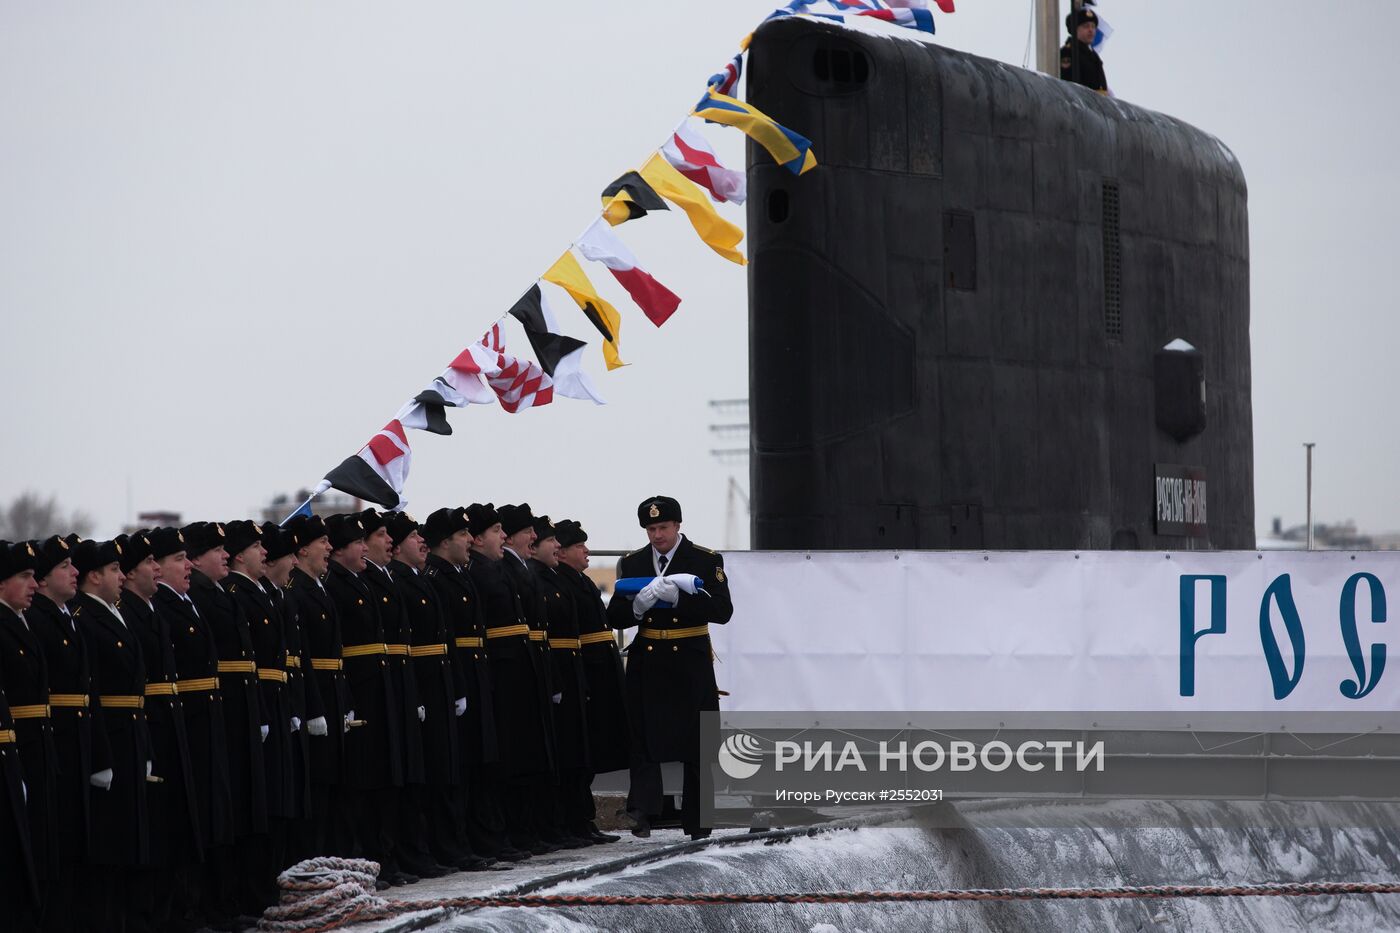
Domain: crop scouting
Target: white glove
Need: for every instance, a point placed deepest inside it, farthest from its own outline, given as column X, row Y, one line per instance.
column 102, row 780
column 348, row 718
column 688, row 583
column 264, row 730
column 422, row 714
column 461, row 706
column 296, row 724
column 149, row 769
column 558, row 698
column 667, row 590
column 317, row 726
column 645, row 599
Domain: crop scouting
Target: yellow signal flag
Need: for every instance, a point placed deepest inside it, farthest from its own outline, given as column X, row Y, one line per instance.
column 719, row 234
column 569, row 275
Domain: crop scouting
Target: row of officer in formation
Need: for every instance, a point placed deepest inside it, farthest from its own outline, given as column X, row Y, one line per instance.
column 184, row 712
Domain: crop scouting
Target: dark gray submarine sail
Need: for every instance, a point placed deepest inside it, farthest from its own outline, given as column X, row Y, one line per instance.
column 958, row 321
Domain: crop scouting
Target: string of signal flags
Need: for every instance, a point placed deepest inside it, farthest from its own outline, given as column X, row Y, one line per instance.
column 685, row 172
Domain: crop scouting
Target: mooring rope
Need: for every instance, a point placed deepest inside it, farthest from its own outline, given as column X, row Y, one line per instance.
column 328, row 893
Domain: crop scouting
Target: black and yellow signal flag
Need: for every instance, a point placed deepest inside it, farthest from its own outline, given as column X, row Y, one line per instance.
column 629, row 198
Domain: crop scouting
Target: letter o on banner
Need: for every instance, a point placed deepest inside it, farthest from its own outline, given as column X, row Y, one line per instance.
column 1000, row 748
column 937, row 757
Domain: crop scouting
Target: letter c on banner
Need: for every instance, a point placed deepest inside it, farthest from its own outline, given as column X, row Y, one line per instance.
column 1353, row 689
column 1189, row 635
column 1281, row 591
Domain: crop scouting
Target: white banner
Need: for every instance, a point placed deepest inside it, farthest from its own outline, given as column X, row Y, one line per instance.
column 1058, row 631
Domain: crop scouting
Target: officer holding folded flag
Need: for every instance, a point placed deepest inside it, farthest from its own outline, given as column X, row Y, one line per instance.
column 670, row 669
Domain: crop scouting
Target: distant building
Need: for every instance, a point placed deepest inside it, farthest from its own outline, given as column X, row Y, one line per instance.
column 1342, row 536
column 330, row 502
column 604, row 576
column 153, row 520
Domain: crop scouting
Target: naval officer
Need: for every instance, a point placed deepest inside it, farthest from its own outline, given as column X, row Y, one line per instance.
column 670, row 671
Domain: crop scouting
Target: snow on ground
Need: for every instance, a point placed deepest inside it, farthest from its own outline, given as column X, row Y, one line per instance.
column 998, row 844
column 525, row 874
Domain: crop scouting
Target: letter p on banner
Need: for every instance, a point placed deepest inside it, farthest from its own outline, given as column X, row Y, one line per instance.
column 1189, row 633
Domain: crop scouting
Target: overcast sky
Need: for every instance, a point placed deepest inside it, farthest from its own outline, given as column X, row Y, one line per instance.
column 235, row 237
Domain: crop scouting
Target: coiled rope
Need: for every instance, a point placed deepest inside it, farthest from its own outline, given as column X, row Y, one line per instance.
column 327, row 893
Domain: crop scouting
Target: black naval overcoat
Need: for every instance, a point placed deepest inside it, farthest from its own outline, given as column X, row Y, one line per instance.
column 670, row 681
column 436, row 677
column 72, row 701
column 320, row 628
column 18, row 884
column 522, row 720
column 197, row 668
column 270, row 654
column 373, row 753
column 243, row 715
column 25, row 674
column 531, row 597
column 565, row 654
column 303, row 696
column 465, row 627
column 120, row 821
column 175, row 835
column 608, row 731
column 1091, row 73
column 398, row 636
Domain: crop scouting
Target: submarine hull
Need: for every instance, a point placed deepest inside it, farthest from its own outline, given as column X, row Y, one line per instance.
column 958, row 320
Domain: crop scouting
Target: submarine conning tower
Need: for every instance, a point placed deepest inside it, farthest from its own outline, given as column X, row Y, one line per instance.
column 1004, row 312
